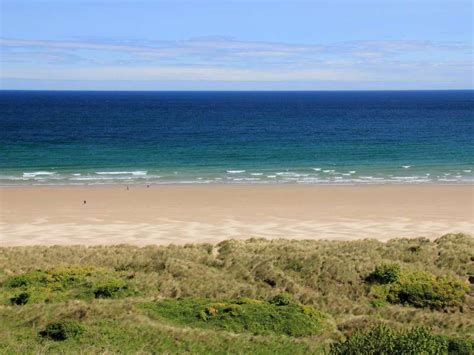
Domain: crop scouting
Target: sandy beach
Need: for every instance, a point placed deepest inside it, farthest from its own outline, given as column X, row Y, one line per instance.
column 186, row 214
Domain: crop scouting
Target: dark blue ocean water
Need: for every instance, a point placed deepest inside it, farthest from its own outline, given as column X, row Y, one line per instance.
column 236, row 137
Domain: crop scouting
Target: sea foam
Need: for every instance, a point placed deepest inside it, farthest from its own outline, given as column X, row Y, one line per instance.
column 38, row 173
column 136, row 173
column 235, row 171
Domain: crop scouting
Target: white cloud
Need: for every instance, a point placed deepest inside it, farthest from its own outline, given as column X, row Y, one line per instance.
column 179, row 73
column 226, row 59
column 224, row 46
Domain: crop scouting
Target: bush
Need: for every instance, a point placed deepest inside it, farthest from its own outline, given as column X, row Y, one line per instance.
column 385, row 274
column 62, row 283
column 282, row 299
column 420, row 289
column 384, row 340
column 254, row 317
column 295, row 265
column 110, row 289
column 460, row 346
column 27, row 279
column 416, row 288
column 57, row 278
column 20, row 299
column 377, row 303
column 62, row 330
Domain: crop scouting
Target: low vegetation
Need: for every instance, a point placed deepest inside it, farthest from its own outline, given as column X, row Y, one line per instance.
column 417, row 288
column 254, row 296
column 59, row 284
column 62, row 330
column 384, row 340
column 385, row 274
column 243, row 315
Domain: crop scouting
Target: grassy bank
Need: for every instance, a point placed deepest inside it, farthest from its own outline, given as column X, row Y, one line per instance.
column 253, row 296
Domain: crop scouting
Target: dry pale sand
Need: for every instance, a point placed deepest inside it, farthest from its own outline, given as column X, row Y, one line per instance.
column 184, row 214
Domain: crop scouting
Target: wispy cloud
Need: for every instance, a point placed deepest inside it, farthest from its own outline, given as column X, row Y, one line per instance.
column 225, row 46
column 232, row 60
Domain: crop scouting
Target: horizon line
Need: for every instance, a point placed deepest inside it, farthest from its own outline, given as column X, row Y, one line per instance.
column 225, row 90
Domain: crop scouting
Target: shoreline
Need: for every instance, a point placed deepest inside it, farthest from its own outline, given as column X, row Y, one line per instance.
column 183, row 214
column 248, row 184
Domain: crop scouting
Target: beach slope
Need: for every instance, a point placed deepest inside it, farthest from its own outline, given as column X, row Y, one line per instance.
column 185, row 214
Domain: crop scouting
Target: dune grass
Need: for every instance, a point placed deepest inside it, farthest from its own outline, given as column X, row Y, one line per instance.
column 254, row 296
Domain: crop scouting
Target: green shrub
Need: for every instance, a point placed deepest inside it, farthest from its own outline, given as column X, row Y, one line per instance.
column 377, row 303
column 416, row 288
column 62, row 283
column 460, row 346
column 384, row 340
column 20, row 299
column 254, row 317
column 420, row 289
column 110, row 289
column 295, row 265
column 282, row 299
column 59, row 277
column 62, row 330
column 379, row 340
column 27, row 279
column 385, row 273
column 419, row 341
column 17, row 281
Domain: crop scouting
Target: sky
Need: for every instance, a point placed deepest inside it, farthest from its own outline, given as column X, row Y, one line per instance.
column 236, row 45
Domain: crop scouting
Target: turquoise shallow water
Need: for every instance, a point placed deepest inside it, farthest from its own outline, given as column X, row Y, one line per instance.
column 55, row 138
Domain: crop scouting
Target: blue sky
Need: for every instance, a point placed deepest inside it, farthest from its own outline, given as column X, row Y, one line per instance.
column 236, row 45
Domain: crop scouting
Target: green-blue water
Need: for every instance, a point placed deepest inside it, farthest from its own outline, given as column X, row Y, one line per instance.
column 236, row 137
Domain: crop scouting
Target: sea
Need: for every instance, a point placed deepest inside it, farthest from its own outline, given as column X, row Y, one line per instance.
column 310, row 137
